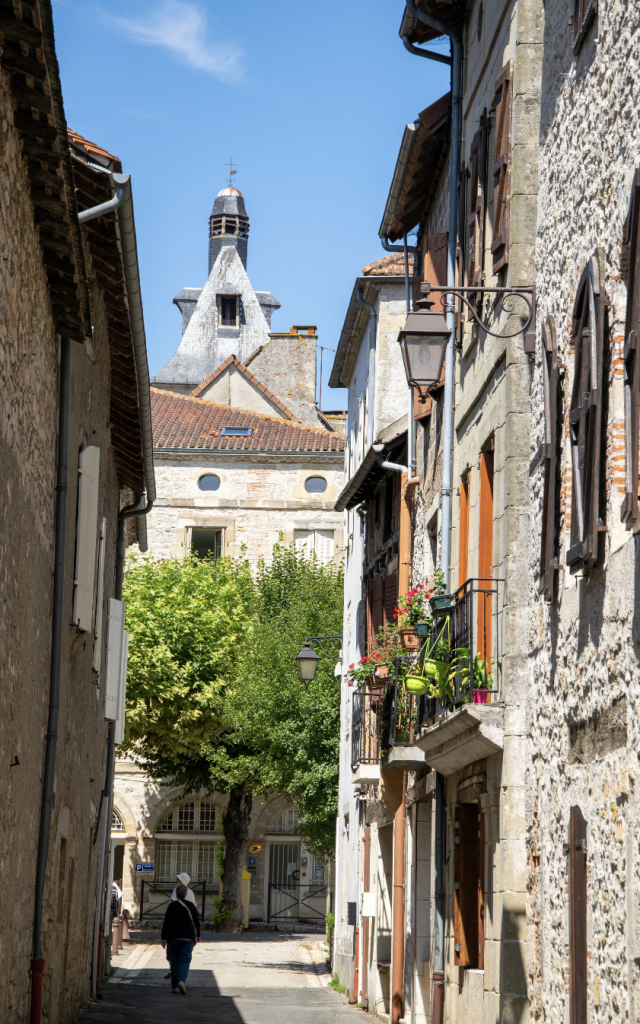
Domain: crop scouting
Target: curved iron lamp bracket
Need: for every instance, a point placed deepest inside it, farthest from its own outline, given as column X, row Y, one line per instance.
column 525, row 292
column 330, row 639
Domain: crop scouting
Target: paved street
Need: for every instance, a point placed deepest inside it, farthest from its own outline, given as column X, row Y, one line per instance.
column 239, row 979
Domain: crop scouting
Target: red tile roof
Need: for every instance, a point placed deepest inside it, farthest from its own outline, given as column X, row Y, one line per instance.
column 91, row 148
column 388, row 265
column 181, row 421
column 250, row 377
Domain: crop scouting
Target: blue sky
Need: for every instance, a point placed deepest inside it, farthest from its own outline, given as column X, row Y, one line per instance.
column 310, row 100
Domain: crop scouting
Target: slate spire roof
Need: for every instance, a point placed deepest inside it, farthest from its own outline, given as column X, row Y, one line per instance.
column 181, row 421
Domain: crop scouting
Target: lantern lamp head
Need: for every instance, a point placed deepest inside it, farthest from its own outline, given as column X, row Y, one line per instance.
column 307, row 663
column 423, row 341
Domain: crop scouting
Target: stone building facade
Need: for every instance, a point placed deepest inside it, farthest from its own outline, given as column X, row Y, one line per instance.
column 71, row 373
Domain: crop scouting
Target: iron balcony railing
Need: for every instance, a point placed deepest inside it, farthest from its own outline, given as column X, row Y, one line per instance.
column 476, row 623
column 366, row 720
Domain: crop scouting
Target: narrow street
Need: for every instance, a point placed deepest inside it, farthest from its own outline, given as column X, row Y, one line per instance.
column 239, row 979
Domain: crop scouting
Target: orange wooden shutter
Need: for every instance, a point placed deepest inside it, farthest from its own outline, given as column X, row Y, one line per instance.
column 375, row 607
column 463, row 553
column 485, row 554
column 502, row 168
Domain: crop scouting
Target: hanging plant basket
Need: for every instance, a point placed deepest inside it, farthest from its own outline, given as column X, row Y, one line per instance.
column 442, row 605
column 417, row 685
column 409, row 639
column 436, row 671
column 423, row 629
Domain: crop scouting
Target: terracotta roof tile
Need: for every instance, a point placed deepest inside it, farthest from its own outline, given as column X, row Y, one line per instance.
column 250, row 377
column 388, row 265
column 182, row 421
column 91, row 147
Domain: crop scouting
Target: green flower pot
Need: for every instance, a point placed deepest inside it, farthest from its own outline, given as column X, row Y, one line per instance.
column 423, row 628
column 442, row 605
column 436, row 670
column 417, row 685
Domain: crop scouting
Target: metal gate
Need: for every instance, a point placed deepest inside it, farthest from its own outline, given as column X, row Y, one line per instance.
column 284, row 878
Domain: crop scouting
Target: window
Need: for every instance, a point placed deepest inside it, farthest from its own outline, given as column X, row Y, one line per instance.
column 502, row 168
column 117, row 824
column 485, row 552
column 87, row 537
column 629, row 513
column 286, row 823
column 190, row 816
column 315, row 485
column 163, row 871
column 382, row 598
column 468, row 894
column 207, row 864
column 315, row 543
column 228, row 310
column 237, row 431
column 206, row 543
column 209, row 482
column 184, row 858
column 586, row 421
column 476, row 207
column 551, row 449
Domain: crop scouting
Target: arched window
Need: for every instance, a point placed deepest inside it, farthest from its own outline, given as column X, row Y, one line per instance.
column 315, row 485
column 190, row 816
column 286, row 823
column 117, row 823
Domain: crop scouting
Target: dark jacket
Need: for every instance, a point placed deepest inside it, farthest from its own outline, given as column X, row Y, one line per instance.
column 181, row 921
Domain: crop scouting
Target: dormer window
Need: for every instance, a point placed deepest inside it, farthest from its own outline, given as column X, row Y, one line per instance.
column 228, row 310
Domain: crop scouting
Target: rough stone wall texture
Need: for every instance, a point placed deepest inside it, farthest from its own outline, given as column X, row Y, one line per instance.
column 253, row 505
column 584, row 649
column 29, row 353
column 205, row 344
column 287, row 366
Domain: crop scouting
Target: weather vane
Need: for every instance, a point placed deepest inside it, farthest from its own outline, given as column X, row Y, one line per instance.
column 230, row 165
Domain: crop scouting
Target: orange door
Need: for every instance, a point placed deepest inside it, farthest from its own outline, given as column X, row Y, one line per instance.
column 485, row 555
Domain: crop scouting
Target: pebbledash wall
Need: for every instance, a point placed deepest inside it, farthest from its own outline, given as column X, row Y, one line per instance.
column 584, row 648
column 259, row 498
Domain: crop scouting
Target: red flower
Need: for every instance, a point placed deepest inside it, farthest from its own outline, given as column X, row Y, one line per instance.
column 352, row 664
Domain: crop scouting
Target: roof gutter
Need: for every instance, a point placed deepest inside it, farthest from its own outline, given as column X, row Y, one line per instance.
column 395, row 191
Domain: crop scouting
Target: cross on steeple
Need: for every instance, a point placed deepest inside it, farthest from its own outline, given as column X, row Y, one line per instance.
column 230, row 165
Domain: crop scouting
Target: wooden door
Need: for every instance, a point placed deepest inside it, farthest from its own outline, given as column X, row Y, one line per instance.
column 463, row 553
column 467, row 907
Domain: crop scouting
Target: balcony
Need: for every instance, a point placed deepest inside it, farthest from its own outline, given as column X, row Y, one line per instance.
column 366, row 725
column 450, row 732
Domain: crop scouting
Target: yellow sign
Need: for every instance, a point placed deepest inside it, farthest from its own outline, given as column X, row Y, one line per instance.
column 255, row 849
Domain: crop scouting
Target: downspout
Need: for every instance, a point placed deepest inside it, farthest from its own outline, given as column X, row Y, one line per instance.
column 57, row 623
column 447, row 457
column 397, row 956
column 386, row 244
column 371, row 367
column 411, row 423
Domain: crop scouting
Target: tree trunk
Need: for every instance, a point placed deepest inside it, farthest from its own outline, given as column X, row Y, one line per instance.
column 235, row 826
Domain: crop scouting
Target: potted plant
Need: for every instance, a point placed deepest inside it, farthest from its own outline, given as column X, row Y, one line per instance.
column 360, row 672
column 412, row 609
column 482, row 680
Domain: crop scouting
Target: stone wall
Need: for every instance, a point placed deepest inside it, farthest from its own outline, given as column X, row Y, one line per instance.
column 583, row 713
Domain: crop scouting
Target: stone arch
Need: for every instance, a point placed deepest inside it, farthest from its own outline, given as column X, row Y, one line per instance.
column 122, row 807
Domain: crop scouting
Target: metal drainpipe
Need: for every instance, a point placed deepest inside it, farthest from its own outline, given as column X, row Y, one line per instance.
column 102, row 900
column 397, row 979
column 411, row 423
column 447, row 456
column 57, row 620
column 371, row 369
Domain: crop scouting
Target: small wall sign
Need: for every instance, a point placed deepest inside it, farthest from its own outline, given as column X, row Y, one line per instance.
column 145, row 867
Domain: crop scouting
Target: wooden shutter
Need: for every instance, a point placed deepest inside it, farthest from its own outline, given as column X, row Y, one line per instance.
column 100, row 598
column 476, row 207
column 466, row 866
column 585, row 420
column 460, row 248
column 578, row 915
column 552, row 436
column 375, row 606
column 436, row 252
column 480, row 895
column 390, row 598
column 122, row 689
column 502, row 168
column 87, row 537
column 113, row 675
column 584, row 12
column 629, row 513
column 485, row 554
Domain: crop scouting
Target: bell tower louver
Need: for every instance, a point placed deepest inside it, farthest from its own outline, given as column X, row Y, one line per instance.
column 228, row 225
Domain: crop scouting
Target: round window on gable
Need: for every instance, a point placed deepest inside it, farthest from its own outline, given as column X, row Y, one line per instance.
column 209, row 482
column 315, row 485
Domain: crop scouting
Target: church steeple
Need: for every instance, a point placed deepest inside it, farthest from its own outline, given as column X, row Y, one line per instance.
column 228, row 225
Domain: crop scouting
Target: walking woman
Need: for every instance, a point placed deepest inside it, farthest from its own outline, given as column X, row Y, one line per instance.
column 180, row 932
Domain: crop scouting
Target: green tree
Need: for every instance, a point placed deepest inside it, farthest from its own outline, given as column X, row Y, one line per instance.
column 247, row 726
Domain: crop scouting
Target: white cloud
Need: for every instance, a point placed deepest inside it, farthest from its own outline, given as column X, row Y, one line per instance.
column 182, row 29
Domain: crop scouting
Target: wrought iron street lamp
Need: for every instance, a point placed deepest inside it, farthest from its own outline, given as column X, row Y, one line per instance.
column 423, row 342
column 307, row 663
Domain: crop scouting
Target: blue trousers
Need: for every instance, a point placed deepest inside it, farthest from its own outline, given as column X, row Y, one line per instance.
column 179, row 951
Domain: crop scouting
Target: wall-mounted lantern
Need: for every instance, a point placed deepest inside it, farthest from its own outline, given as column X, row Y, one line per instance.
column 423, row 341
